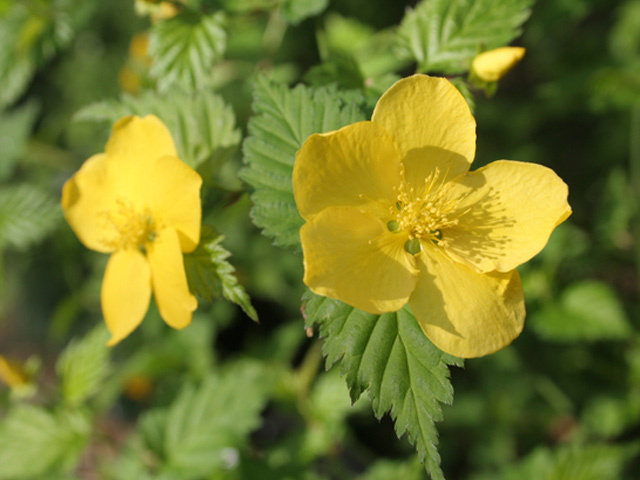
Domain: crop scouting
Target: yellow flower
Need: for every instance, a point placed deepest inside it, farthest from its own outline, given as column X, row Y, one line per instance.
column 394, row 216
column 141, row 203
column 492, row 65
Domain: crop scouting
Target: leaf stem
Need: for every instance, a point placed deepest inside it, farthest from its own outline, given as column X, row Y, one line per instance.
column 307, row 373
column 274, row 32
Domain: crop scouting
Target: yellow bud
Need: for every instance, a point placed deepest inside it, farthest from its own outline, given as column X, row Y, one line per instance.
column 492, row 65
column 156, row 9
column 129, row 80
column 12, row 373
column 139, row 48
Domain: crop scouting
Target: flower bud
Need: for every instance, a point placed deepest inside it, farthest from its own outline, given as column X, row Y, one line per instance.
column 492, row 65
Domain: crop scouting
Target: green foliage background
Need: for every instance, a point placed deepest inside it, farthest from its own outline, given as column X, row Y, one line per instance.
column 316, row 390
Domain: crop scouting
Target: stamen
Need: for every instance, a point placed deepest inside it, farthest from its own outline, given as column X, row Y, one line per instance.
column 429, row 215
column 134, row 230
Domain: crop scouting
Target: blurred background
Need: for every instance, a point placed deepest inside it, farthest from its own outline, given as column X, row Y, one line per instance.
column 562, row 402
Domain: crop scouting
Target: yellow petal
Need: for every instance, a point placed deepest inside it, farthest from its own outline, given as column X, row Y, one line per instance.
column 138, row 142
column 351, row 256
column 512, row 209
column 169, row 280
column 356, row 166
column 86, row 199
column 426, row 115
column 175, row 191
column 491, row 66
column 126, row 291
column 465, row 313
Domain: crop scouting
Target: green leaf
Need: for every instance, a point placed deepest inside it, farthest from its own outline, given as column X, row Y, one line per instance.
column 203, row 125
column 616, row 87
column 608, row 416
column 27, row 215
column 30, row 34
column 195, row 435
column 83, row 366
column 387, row 469
column 389, row 355
column 185, row 48
column 329, row 407
column 588, row 310
column 283, row 120
column 573, row 462
column 15, row 128
column 17, row 59
column 210, row 274
column 35, row 442
column 445, row 35
column 340, row 68
column 244, row 6
column 295, row 11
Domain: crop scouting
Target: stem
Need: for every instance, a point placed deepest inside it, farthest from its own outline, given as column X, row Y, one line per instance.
column 634, row 174
column 274, row 32
column 307, row 373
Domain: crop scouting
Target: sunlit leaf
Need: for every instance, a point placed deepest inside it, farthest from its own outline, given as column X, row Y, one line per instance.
column 185, row 48
column 283, row 120
column 203, row 125
column 27, row 215
column 211, row 275
column 445, row 35
column 197, row 434
column 83, row 366
column 588, row 310
column 390, row 357
column 35, row 442
column 294, row 11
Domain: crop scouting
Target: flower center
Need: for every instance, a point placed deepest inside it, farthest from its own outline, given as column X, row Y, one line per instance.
column 134, row 229
column 424, row 216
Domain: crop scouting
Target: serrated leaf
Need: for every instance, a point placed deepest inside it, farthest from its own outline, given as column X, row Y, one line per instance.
column 83, row 366
column 203, row 125
column 30, row 35
column 444, row 35
column 35, row 442
column 17, row 64
column 15, row 127
column 389, row 356
column 27, row 215
column 588, row 310
column 387, row 469
column 283, row 120
column 185, row 48
column 193, row 434
column 573, row 462
column 295, row 11
column 210, row 274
